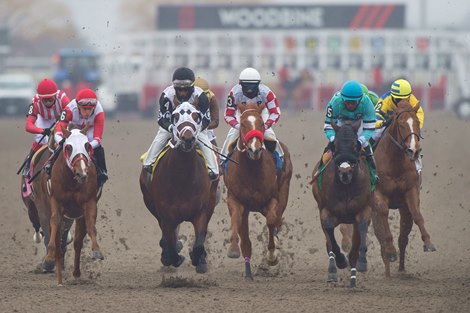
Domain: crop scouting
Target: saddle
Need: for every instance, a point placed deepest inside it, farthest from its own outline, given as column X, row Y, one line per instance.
column 164, row 151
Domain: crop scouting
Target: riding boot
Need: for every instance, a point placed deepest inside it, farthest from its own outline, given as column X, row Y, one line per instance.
column 27, row 166
column 371, row 159
column 100, row 163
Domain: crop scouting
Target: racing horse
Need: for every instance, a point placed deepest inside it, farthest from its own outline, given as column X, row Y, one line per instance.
column 69, row 194
column 344, row 196
column 399, row 184
column 180, row 189
column 254, row 185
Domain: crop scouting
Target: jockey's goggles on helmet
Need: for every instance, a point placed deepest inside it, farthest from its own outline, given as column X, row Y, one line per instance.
column 48, row 100
column 87, row 103
column 183, row 84
column 351, row 105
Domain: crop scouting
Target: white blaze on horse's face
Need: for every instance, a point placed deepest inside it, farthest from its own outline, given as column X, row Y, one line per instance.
column 413, row 143
column 77, row 154
column 252, row 145
column 186, row 118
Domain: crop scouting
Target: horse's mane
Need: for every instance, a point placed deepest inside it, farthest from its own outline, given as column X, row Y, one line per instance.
column 345, row 143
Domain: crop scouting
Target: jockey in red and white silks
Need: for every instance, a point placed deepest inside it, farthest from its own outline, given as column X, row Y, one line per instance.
column 43, row 112
column 250, row 89
column 85, row 110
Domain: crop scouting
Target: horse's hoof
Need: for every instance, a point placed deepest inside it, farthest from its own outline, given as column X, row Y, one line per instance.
column 332, row 278
column 97, row 255
column 429, row 248
column 361, row 266
column 233, row 254
column 37, row 237
column 201, row 268
column 391, row 257
column 272, row 258
column 341, row 261
column 48, row 266
column 179, row 261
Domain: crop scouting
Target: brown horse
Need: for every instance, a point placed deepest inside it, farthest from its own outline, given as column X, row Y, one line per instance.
column 399, row 187
column 344, row 195
column 69, row 194
column 253, row 186
column 180, row 190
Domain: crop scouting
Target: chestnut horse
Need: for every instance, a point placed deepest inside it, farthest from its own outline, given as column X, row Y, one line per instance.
column 344, row 195
column 180, row 189
column 69, row 194
column 399, row 187
column 253, row 186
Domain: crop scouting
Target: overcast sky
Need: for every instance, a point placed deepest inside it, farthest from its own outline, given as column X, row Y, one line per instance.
column 99, row 23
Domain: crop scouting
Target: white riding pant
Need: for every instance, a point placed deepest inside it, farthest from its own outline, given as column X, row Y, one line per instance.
column 234, row 133
column 42, row 123
column 162, row 138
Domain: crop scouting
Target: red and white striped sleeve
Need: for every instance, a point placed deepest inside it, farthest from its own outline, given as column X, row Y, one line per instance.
column 98, row 129
column 273, row 109
column 230, row 110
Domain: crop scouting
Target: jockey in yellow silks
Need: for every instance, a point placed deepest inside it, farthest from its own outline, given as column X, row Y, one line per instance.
column 400, row 89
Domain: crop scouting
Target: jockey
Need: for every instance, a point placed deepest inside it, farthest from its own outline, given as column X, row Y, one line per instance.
column 349, row 105
column 180, row 91
column 372, row 95
column 42, row 114
column 213, row 108
column 84, row 110
column 250, row 89
column 400, row 89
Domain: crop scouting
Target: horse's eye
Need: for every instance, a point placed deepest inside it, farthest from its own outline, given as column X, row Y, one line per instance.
column 88, row 148
column 175, row 118
column 196, row 117
column 68, row 149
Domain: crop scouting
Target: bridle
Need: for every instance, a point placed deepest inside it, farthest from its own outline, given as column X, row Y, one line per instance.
column 400, row 143
column 254, row 133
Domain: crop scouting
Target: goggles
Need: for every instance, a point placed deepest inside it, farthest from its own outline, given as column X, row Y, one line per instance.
column 87, row 103
column 186, row 83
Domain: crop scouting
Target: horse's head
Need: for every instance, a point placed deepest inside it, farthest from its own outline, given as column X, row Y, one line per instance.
column 347, row 150
column 405, row 128
column 77, row 152
column 187, row 122
column 251, row 129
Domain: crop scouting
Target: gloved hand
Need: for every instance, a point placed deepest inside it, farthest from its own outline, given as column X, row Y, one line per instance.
column 61, row 142
column 46, row 132
column 386, row 123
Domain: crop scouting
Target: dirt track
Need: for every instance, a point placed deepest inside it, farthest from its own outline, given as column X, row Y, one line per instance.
column 130, row 278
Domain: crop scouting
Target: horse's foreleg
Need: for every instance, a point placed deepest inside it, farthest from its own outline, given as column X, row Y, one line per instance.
column 168, row 244
column 90, row 214
column 328, row 224
column 80, row 233
column 235, row 209
column 412, row 201
column 245, row 243
column 273, row 220
column 346, row 233
column 53, row 238
column 198, row 255
column 406, row 223
column 382, row 230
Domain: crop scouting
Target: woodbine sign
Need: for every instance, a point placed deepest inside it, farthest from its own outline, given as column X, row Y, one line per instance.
column 249, row 17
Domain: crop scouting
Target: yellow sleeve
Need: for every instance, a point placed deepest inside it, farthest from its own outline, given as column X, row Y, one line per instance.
column 420, row 115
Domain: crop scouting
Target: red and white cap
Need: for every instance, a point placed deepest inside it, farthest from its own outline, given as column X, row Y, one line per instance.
column 86, row 98
column 47, row 88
